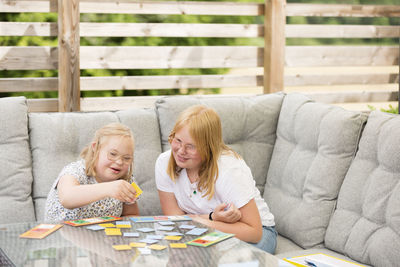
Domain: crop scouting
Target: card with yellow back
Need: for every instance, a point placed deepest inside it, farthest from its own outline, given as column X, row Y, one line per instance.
column 137, row 189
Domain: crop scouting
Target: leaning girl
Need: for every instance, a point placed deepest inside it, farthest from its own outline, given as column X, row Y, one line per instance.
column 98, row 184
column 202, row 176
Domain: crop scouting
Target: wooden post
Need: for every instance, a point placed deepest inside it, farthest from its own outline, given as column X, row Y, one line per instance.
column 274, row 48
column 68, row 56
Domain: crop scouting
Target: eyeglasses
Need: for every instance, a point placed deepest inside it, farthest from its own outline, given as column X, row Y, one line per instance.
column 114, row 156
column 189, row 148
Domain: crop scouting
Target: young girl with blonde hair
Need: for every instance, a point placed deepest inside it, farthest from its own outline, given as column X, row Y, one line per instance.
column 99, row 184
column 202, row 176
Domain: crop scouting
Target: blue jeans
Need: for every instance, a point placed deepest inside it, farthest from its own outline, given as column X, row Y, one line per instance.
column 268, row 240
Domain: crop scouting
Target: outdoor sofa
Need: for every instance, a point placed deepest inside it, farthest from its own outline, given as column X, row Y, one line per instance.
column 330, row 176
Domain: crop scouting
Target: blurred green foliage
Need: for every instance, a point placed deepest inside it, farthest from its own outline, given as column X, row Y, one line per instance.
column 157, row 41
column 390, row 109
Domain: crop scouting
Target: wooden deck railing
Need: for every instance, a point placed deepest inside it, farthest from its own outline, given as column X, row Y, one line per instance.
column 328, row 72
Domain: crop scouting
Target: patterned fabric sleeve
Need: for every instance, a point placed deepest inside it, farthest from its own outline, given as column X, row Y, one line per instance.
column 77, row 170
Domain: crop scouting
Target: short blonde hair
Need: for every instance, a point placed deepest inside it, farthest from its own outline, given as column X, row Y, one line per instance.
column 91, row 154
column 206, row 130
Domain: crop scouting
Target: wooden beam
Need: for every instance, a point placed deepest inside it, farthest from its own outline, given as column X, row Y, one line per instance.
column 17, row 6
column 342, row 10
column 68, row 56
column 93, row 29
column 171, row 30
column 312, row 56
column 171, row 7
column 170, row 57
column 166, row 57
column 341, row 79
column 274, row 50
column 341, row 31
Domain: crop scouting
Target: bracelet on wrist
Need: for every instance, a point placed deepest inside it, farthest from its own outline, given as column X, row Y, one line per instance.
column 210, row 216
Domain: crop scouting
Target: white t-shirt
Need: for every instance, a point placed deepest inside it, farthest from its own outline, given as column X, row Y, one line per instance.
column 235, row 184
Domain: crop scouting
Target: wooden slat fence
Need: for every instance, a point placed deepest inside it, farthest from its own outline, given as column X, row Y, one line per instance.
column 282, row 65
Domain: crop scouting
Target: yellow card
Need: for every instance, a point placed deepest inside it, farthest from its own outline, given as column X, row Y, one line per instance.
column 113, row 231
column 157, row 247
column 124, row 226
column 137, row 245
column 107, row 225
column 177, row 245
column 173, row 237
column 122, row 247
column 137, row 189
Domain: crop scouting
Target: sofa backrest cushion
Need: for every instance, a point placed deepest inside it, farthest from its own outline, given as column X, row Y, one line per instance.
column 15, row 162
column 313, row 151
column 366, row 223
column 248, row 125
column 58, row 138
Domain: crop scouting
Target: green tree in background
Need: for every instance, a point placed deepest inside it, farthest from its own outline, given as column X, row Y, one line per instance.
column 156, row 41
column 122, row 41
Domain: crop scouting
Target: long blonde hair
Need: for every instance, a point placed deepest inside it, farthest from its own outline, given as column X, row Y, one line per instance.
column 91, row 153
column 205, row 128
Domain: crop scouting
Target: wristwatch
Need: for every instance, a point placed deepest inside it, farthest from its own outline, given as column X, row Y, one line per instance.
column 210, row 216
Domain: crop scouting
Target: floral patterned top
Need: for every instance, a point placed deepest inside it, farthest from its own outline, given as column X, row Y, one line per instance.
column 56, row 212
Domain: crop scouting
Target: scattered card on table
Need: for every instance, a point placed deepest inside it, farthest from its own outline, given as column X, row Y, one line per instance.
column 173, row 233
column 157, row 247
column 166, row 223
column 159, row 237
column 148, row 241
column 107, row 225
column 177, row 245
column 41, row 231
column 95, row 227
column 123, row 226
column 122, row 247
column 173, row 237
column 197, row 231
column 137, row 245
column 165, row 228
column 113, row 231
column 145, row 229
column 144, row 251
column 123, row 223
column 209, row 239
column 131, row 234
column 187, row 226
column 94, row 220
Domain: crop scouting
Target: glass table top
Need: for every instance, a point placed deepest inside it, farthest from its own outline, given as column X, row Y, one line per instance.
column 79, row 246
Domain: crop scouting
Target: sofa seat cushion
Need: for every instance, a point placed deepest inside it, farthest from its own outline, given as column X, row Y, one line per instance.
column 15, row 162
column 58, row 138
column 366, row 223
column 313, row 151
column 248, row 125
column 284, row 245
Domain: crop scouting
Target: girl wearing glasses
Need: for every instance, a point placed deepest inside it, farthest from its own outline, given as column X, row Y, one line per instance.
column 202, row 176
column 99, row 184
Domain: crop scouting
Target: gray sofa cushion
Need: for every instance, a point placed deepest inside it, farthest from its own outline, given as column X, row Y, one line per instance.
column 15, row 162
column 284, row 245
column 58, row 138
column 144, row 125
column 313, row 151
column 248, row 125
column 366, row 224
